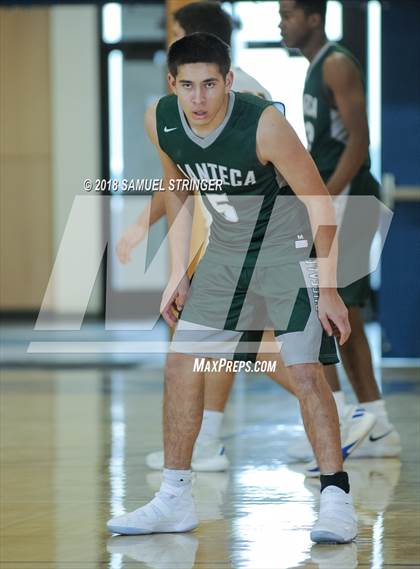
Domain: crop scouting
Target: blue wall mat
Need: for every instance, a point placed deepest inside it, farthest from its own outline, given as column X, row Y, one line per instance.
column 399, row 296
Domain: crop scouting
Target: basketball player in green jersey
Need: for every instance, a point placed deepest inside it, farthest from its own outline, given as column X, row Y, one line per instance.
column 209, row 453
column 248, row 146
column 338, row 140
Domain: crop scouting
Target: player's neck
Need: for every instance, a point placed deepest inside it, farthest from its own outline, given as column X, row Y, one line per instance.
column 314, row 44
column 217, row 120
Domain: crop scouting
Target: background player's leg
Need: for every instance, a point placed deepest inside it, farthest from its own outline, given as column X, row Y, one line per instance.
column 217, row 389
column 357, row 360
column 269, row 352
column 209, row 452
column 339, row 397
column 384, row 440
column 332, row 378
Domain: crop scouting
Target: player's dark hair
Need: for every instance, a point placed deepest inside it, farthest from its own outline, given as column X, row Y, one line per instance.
column 199, row 48
column 313, row 7
column 206, row 17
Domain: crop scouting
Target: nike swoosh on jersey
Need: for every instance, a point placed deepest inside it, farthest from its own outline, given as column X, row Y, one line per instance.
column 166, row 129
column 374, row 439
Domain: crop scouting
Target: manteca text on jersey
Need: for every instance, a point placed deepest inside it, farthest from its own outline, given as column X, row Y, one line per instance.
column 227, row 176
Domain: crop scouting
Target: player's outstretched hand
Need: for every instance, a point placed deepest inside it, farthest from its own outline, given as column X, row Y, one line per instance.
column 128, row 241
column 174, row 298
column 333, row 315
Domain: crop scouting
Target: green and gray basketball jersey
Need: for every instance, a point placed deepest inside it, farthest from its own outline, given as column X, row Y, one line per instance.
column 325, row 132
column 241, row 209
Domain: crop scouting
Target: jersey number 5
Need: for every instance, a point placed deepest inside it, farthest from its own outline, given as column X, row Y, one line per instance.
column 221, row 204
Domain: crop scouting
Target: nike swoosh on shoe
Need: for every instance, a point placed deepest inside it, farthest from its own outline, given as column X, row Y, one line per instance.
column 374, row 439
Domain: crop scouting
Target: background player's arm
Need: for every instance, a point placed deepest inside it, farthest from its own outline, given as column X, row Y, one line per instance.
column 278, row 143
column 179, row 211
column 136, row 232
column 154, row 211
column 343, row 80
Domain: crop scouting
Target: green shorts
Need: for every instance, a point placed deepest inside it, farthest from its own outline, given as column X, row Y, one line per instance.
column 228, row 307
column 357, row 230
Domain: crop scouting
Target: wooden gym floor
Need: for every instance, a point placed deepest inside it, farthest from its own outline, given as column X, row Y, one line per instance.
column 72, row 450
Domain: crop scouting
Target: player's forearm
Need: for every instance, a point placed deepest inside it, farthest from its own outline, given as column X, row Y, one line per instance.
column 322, row 218
column 350, row 162
column 157, row 207
column 179, row 207
column 154, row 210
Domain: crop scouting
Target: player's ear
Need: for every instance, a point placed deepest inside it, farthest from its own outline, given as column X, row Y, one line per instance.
column 229, row 81
column 171, row 82
column 314, row 20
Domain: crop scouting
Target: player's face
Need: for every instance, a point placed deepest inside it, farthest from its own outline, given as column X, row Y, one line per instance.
column 202, row 91
column 295, row 25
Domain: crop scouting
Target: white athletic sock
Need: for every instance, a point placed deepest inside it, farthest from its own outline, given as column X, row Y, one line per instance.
column 340, row 401
column 378, row 408
column 211, row 426
column 175, row 479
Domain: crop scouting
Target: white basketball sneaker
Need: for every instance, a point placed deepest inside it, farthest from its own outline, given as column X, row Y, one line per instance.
column 354, row 428
column 171, row 510
column 207, row 457
column 354, row 425
column 337, row 521
column 381, row 443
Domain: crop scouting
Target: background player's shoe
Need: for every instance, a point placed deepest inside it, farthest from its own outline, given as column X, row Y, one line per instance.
column 355, row 424
column 354, row 428
column 160, row 515
column 158, row 551
column 380, row 444
column 331, row 557
column 337, row 522
column 207, row 457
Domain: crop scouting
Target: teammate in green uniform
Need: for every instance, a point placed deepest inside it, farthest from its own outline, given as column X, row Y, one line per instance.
column 206, row 131
column 338, row 139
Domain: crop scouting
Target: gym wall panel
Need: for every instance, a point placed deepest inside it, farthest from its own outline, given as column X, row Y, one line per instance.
column 25, row 157
column 75, row 139
column 49, row 142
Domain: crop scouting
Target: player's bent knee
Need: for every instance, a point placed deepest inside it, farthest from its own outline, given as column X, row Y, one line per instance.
column 305, row 376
